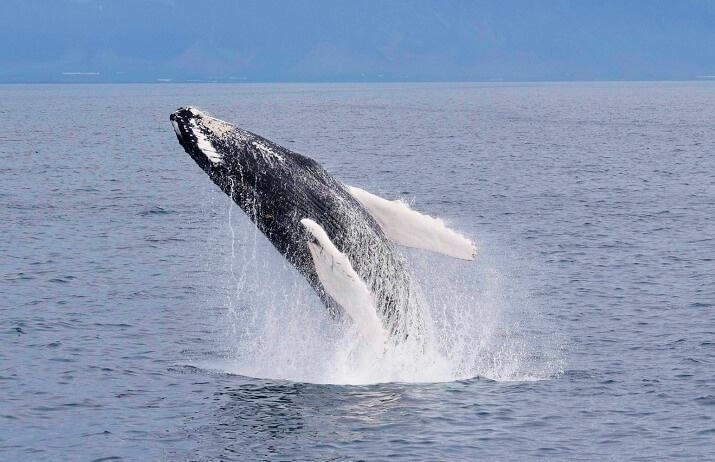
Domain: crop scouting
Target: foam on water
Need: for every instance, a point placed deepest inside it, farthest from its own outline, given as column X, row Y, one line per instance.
column 478, row 323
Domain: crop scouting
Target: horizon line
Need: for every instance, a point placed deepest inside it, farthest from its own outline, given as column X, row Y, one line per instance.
column 324, row 82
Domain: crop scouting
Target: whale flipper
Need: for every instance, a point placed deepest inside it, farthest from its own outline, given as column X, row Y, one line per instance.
column 343, row 284
column 413, row 229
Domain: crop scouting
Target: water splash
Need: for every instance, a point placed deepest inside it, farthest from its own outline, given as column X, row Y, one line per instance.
column 478, row 323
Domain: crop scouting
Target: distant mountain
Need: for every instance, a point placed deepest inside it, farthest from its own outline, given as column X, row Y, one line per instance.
column 368, row 40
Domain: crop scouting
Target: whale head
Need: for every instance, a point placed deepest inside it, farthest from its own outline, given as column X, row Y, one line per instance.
column 201, row 135
column 261, row 176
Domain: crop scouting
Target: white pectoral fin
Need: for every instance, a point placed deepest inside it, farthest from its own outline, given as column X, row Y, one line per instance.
column 413, row 229
column 344, row 285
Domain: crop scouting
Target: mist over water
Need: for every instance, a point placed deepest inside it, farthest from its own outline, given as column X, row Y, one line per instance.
column 136, row 322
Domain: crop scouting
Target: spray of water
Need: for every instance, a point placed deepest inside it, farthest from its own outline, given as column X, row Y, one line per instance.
column 477, row 323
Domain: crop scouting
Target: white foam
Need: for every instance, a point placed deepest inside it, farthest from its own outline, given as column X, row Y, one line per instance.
column 480, row 321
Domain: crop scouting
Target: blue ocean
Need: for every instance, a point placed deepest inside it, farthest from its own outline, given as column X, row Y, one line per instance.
column 143, row 316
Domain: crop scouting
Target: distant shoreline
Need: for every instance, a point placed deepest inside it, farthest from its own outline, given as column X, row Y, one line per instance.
column 703, row 79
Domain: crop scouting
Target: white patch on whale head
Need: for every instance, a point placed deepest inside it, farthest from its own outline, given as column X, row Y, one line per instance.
column 204, row 144
column 217, row 126
column 195, row 112
column 200, row 124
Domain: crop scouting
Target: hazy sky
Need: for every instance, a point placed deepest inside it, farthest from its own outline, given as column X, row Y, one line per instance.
column 334, row 40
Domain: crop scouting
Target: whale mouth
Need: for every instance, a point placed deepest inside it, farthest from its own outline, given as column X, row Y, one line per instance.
column 196, row 132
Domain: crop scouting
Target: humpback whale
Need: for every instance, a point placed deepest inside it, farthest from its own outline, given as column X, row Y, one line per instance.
column 340, row 238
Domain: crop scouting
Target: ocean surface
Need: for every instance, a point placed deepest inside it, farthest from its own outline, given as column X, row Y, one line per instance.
column 142, row 317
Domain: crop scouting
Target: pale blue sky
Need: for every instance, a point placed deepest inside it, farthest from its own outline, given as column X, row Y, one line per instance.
column 335, row 40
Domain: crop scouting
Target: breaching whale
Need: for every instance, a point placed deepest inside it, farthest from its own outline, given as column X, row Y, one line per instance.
column 340, row 238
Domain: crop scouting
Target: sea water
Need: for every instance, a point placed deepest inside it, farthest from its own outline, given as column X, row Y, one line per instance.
column 144, row 317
